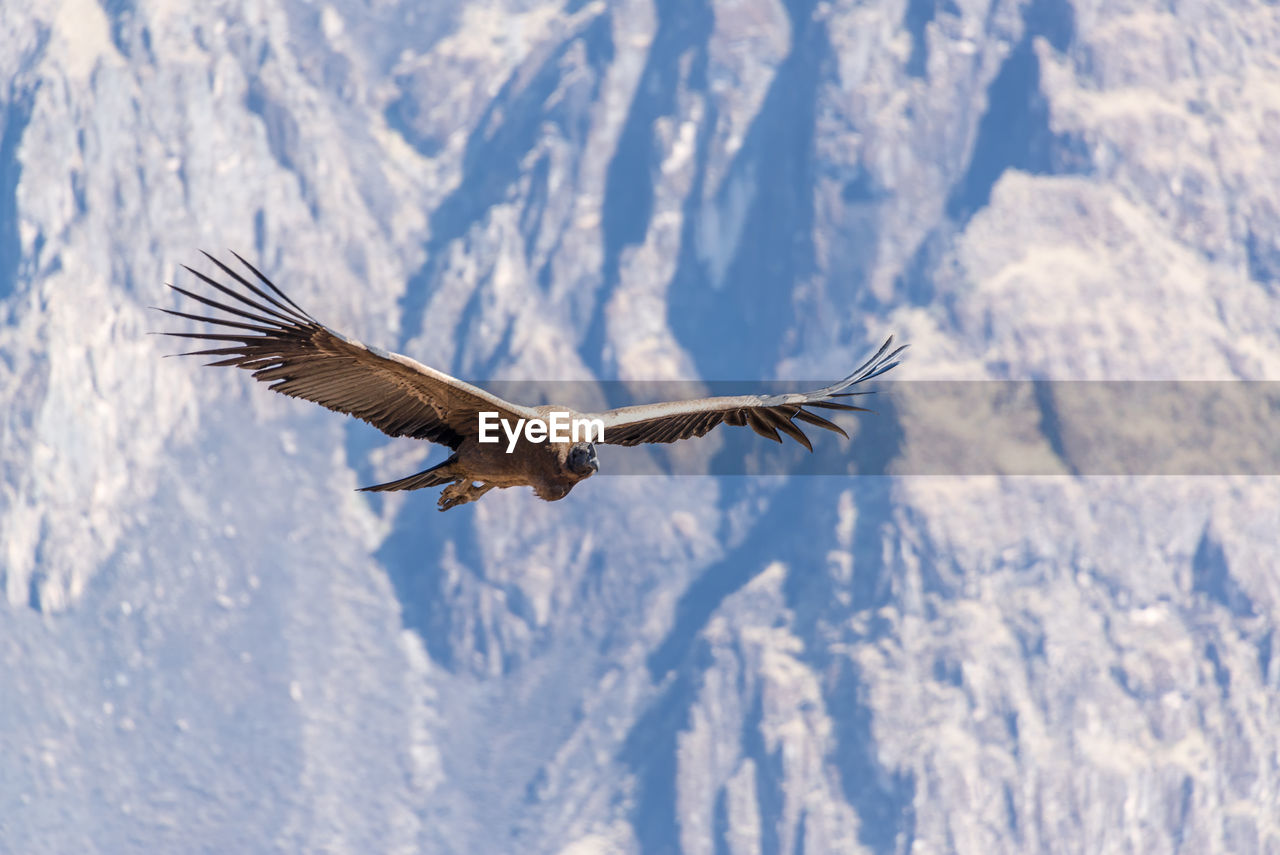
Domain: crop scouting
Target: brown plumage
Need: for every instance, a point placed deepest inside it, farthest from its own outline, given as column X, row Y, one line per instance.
column 299, row 356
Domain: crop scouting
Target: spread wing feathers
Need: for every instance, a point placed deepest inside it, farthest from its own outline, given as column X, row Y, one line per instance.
column 302, row 358
column 767, row 415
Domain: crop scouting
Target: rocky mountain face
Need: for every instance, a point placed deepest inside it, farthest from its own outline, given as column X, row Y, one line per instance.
column 209, row 642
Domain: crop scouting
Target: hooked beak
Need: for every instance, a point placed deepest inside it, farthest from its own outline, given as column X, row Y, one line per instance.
column 590, row 461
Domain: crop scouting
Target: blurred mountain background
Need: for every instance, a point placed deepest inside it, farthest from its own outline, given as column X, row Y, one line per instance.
column 210, row 643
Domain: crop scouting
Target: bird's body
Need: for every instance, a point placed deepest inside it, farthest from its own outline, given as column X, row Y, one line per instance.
column 301, row 357
column 475, row 468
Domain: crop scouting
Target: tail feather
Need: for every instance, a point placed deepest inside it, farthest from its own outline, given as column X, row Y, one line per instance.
column 442, row 473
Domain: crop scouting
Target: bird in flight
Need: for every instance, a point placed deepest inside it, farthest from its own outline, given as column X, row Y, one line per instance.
column 550, row 449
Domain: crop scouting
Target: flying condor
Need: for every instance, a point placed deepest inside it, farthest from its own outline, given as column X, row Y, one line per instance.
column 300, row 357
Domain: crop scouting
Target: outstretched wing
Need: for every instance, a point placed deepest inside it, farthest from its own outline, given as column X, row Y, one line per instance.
column 302, row 358
column 767, row 415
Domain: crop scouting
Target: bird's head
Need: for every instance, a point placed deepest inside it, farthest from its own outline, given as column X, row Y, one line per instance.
column 581, row 460
column 577, row 462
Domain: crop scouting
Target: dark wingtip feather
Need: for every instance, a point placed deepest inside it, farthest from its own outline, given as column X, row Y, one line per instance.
column 270, row 284
column 294, row 314
column 784, row 424
column 878, row 363
column 758, row 424
column 819, row 421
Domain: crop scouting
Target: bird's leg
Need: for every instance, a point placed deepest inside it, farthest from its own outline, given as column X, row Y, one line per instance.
column 462, row 492
column 453, row 495
column 478, row 490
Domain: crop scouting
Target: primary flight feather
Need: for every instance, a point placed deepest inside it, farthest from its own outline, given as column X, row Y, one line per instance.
column 298, row 356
